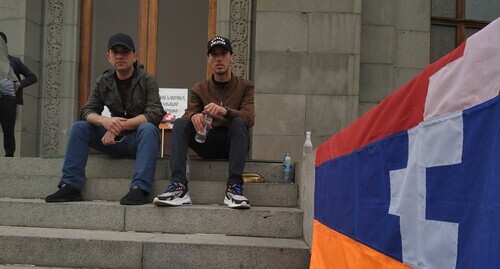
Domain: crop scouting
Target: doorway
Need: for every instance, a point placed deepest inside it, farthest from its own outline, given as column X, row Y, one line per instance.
column 170, row 38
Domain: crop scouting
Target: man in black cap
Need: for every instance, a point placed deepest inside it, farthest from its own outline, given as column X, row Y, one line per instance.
column 229, row 101
column 132, row 96
column 10, row 118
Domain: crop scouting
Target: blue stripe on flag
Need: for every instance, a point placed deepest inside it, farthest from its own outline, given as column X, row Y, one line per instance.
column 469, row 193
column 352, row 193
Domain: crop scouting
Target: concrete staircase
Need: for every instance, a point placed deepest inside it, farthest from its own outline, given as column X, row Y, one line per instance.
column 101, row 233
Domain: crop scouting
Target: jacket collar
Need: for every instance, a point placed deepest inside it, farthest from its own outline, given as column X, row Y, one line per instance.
column 109, row 75
column 229, row 83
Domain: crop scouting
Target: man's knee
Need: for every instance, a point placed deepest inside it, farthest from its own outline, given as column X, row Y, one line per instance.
column 148, row 130
column 81, row 125
column 181, row 126
column 147, row 127
column 239, row 124
column 181, row 123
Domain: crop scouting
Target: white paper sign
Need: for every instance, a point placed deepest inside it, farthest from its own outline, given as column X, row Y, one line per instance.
column 174, row 102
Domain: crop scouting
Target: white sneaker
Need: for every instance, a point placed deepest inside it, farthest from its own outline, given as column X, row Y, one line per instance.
column 234, row 197
column 175, row 195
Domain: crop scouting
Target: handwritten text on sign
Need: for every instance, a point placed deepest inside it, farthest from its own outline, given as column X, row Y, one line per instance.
column 174, row 100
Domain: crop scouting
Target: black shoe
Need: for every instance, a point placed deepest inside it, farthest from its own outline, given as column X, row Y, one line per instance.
column 135, row 196
column 65, row 194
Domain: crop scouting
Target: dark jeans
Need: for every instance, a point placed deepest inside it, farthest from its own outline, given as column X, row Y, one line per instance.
column 142, row 144
column 8, row 120
column 222, row 143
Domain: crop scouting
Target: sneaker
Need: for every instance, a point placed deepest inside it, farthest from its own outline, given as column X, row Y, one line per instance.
column 136, row 196
column 175, row 195
column 65, row 194
column 234, row 197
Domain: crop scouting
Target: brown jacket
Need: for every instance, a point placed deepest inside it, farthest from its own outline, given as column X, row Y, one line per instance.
column 238, row 95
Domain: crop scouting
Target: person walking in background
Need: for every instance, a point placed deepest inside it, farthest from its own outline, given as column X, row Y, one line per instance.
column 19, row 68
column 229, row 101
column 9, row 84
column 132, row 96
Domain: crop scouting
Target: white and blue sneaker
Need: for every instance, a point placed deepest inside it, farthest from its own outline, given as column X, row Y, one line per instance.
column 234, row 197
column 175, row 195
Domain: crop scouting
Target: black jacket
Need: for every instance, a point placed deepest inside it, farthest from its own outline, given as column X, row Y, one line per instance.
column 143, row 97
column 21, row 69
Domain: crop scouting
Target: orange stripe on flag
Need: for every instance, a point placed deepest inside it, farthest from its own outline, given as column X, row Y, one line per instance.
column 333, row 250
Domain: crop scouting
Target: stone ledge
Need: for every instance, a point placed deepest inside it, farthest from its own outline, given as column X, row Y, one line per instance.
column 109, row 249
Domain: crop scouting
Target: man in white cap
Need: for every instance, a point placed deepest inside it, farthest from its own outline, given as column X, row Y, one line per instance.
column 229, row 100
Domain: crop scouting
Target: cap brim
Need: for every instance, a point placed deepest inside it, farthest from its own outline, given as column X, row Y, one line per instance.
column 218, row 45
column 122, row 44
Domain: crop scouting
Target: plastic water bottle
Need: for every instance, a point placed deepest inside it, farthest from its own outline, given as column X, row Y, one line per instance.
column 287, row 169
column 202, row 136
column 308, row 146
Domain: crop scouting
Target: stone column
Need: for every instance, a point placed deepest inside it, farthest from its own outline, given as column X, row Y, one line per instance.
column 234, row 22
column 60, row 78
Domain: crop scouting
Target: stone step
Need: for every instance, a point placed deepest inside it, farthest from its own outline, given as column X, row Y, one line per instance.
column 31, row 266
column 100, row 215
column 100, row 166
column 111, row 249
column 112, row 189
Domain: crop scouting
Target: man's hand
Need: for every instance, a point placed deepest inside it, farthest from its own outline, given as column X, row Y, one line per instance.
column 199, row 122
column 108, row 138
column 215, row 110
column 17, row 86
column 114, row 125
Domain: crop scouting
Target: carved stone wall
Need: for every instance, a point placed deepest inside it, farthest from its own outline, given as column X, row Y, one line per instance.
column 239, row 35
column 52, row 99
column 60, row 74
column 234, row 22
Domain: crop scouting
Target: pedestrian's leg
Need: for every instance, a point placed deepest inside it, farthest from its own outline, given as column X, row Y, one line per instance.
column 238, row 150
column 176, row 193
column 182, row 133
column 82, row 135
column 147, row 140
column 8, row 121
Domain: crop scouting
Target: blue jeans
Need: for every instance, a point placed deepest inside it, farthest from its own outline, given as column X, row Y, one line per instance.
column 141, row 144
column 222, row 143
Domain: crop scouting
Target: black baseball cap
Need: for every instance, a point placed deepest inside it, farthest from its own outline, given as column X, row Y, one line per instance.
column 121, row 39
column 219, row 41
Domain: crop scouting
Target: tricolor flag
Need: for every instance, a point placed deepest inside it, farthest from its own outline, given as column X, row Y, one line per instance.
column 415, row 182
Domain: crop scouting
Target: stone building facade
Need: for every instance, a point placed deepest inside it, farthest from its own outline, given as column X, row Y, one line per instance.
column 317, row 64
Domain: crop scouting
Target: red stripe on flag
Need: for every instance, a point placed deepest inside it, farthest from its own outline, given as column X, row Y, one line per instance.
column 400, row 111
